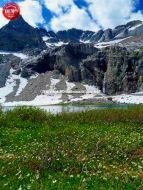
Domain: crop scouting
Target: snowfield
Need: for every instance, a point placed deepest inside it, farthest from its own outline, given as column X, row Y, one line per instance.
column 47, row 97
column 10, row 84
column 136, row 98
column 53, row 96
column 40, row 100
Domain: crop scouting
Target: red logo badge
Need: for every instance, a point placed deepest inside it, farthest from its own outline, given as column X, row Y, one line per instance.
column 11, row 11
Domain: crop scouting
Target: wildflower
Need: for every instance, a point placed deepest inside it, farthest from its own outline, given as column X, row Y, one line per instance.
column 37, row 175
column 55, row 181
column 20, row 188
column 28, row 187
column 28, row 175
column 18, row 173
column 83, row 180
column 5, row 184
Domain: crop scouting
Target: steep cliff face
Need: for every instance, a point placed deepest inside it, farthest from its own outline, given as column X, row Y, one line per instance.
column 123, row 71
column 113, row 70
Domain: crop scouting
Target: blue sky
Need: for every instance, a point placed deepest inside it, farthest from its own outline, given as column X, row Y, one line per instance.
column 82, row 14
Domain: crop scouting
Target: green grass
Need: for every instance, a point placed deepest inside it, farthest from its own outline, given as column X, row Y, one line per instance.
column 99, row 150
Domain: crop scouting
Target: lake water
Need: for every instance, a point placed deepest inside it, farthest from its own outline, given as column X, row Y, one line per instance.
column 74, row 108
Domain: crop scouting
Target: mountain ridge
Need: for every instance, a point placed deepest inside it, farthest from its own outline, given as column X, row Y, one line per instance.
column 11, row 35
column 73, row 64
column 77, row 35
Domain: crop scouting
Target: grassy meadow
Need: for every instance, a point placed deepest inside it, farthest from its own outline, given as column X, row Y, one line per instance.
column 93, row 150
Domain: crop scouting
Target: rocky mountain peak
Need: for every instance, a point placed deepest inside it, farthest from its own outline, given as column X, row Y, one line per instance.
column 17, row 23
column 134, row 23
column 18, row 35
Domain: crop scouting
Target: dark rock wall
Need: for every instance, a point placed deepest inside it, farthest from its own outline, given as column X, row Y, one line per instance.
column 113, row 68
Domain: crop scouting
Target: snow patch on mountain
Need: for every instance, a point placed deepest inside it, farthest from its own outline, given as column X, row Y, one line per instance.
column 45, row 38
column 53, row 84
column 47, row 97
column 40, row 100
column 10, row 84
column 7, row 89
column 111, row 43
column 58, row 44
column 70, row 86
column 23, row 83
column 92, row 89
column 20, row 55
column 135, row 27
column 136, row 98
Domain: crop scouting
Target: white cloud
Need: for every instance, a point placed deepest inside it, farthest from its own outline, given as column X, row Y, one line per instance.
column 113, row 12
column 31, row 12
column 74, row 18
column 136, row 16
column 3, row 20
column 68, row 15
column 57, row 6
column 107, row 14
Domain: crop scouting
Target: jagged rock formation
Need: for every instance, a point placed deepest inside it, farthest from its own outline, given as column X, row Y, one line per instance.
column 134, row 28
column 121, row 69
